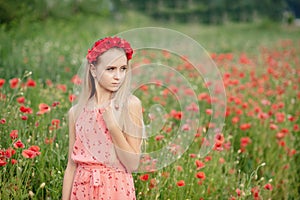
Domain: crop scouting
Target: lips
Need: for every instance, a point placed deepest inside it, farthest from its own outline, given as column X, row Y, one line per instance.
column 115, row 84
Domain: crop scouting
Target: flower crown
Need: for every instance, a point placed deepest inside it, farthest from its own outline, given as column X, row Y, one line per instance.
column 107, row 43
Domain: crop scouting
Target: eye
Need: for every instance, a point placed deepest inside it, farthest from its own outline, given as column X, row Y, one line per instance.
column 110, row 68
column 124, row 68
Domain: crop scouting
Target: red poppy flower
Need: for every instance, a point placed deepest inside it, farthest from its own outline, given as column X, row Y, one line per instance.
column 2, row 121
column 14, row 161
column 56, row 103
column 291, row 118
column 13, row 82
column 199, row 164
column 176, row 114
column 21, row 100
column 202, row 96
column 13, row 134
column 55, row 123
column 159, row 137
column 280, row 117
column 49, row 83
column 179, row 168
column 2, row 163
column 180, row 183
column 2, row 96
column 245, row 141
column 207, row 158
column 144, row 88
column 9, row 152
column 227, row 145
column 19, row 144
column 61, row 87
column 268, row 186
column 291, row 152
column 221, row 160
column 245, row 126
column 24, row 109
column 208, row 111
column 152, row 183
column 49, row 140
column 193, row 107
column 29, row 153
column 2, row 81
column 296, row 127
column 186, row 127
column 24, row 117
column 280, row 135
column 201, row 175
column 72, row 97
column 166, row 54
column 273, row 127
column 144, row 177
column 76, row 80
column 255, row 192
column 235, row 120
column 219, row 137
column 34, row 148
column 238, row 192
column 30, row 83
column 2, row 154
column 192, row 155
column 218, row 146
column 244, row 59
column 174, row 88
column 43, row 108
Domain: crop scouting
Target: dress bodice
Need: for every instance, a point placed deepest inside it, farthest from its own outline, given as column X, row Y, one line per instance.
column 93, row 142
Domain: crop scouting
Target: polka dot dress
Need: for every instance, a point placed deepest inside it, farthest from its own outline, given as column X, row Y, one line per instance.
column 99, row 173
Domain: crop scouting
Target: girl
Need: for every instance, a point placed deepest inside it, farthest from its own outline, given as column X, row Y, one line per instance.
column 105, row 127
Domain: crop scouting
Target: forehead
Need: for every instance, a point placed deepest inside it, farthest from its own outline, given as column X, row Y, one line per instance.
column 113, row 57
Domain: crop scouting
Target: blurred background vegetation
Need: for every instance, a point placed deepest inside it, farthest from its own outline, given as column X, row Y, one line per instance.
column 204, row 11
column 51, row 36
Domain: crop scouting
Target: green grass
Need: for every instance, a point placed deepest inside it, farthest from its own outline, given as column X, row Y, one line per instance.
column 54, row 50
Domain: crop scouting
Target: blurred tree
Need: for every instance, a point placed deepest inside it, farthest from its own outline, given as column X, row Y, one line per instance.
column 211, row 11
column 205, row 11
column 14, row 10
column 294, row 7
column 5, row 15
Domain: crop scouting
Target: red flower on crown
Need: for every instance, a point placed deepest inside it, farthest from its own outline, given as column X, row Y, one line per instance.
column 107, row 43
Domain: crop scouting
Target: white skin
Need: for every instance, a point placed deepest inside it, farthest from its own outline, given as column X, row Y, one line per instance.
column 109, row 75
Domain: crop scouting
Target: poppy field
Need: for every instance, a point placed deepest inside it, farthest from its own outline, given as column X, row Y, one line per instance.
column 255, row 156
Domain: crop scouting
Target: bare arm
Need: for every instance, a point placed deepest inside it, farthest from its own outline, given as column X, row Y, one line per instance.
column 127, row 147
column 71, row 166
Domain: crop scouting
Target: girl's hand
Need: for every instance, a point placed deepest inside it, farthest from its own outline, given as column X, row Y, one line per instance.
column 110, row 118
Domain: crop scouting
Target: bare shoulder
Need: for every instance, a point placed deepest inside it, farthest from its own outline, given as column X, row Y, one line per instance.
column 134, row 102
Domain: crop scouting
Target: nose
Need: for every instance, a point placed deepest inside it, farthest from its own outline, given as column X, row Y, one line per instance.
column 117, row 75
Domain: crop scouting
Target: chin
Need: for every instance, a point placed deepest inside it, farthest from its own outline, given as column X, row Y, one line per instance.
column 113, row 89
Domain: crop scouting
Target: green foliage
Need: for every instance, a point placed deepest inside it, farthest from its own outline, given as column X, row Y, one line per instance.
column 212, row 12
column 215, row 11
column 13, row 11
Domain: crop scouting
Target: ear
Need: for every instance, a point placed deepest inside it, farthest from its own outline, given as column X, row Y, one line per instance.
column 93, row 70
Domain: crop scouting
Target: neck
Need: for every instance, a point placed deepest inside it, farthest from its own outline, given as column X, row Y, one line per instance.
column 102, row 95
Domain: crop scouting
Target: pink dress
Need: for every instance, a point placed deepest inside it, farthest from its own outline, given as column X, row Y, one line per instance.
column 99, row 173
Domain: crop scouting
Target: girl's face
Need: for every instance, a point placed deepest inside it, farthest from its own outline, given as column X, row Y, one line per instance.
column 111, row 71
